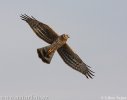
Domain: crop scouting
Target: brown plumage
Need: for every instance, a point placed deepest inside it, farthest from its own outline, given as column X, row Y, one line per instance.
column 58, row 43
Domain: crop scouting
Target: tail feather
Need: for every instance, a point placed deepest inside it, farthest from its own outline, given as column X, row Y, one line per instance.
column 43, row 55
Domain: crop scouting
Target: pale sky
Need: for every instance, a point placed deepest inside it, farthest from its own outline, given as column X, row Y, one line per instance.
column 98, row 34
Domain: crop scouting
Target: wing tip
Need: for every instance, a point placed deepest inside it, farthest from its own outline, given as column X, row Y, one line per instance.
column 89, row 73
column 25, row 17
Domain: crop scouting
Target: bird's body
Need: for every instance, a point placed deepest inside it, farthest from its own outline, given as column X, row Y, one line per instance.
column 46, row 53
column 58, row 43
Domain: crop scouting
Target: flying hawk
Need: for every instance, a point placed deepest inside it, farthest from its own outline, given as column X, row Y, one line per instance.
column 57, row 43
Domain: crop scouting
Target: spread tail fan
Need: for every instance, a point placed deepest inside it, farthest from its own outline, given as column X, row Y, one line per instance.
column 43, row 54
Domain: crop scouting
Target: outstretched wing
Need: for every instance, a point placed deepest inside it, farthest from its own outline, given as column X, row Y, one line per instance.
column 73, row 60
column 42, row 30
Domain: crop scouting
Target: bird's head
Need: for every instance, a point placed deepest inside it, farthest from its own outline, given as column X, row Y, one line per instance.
column 65, row 36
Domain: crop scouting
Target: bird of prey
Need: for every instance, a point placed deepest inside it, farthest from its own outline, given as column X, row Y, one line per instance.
column 57, row 43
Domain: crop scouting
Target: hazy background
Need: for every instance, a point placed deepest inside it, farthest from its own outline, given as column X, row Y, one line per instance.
column 98, row 31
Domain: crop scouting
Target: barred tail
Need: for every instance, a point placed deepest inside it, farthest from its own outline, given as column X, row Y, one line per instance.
column 43, row 55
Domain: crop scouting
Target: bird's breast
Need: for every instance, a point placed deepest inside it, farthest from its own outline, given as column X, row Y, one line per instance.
column 57, row 44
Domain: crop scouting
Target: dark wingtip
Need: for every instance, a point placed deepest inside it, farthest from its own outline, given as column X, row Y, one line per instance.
column 89, row 74
column 24, row 17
